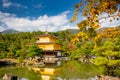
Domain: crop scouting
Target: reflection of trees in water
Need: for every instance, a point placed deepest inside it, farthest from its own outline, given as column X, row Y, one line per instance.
column 78, row 70
column 67, row 70
column 21, row 72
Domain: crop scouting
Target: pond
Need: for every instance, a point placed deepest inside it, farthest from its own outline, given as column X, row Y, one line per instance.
column 69, row 70
column 22, row 72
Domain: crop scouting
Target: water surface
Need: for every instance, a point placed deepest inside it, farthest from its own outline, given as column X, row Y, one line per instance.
column 70, row 70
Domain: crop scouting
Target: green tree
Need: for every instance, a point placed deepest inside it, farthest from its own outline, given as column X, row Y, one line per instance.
column 3, row 49
column 21, row 54
column 33, row 51
column 64, row 38
column 108, row 56
column 83, row 50
column 1, row 37
column 13, row 48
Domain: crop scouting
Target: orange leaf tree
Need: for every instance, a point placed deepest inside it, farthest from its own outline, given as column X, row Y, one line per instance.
column 107, row 33
column 92, row 9
column 106, row 55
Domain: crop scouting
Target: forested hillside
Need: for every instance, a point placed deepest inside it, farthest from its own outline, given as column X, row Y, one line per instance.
column 16, row 45
column 9, row 31
column 105, row 46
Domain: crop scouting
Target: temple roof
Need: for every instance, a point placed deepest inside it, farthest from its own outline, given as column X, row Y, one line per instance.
column 47, row 35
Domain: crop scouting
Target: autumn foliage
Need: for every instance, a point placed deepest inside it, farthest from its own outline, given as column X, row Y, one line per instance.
column 81, row 36
column 92, row 9
column 107, row 33
column 102, row 45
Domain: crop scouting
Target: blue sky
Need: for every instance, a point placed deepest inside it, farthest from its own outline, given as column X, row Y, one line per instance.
column 35, row 8
column 33, row 15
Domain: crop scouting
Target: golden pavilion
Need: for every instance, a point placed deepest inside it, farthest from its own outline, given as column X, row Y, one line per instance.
column 47, row 42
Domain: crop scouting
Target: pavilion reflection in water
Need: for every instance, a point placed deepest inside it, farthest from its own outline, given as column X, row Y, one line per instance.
column 50, row 71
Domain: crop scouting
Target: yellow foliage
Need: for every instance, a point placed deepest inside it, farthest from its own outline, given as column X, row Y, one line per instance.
column 74, row 18
column 94, row 8
column 96, row 25
column 81, row 36
column 119, row 14
column 91, row 11
column 107, row 33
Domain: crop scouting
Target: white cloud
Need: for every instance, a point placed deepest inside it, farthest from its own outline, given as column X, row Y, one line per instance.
column 68, row 26
column 7, row 3
column 19, row 5
column 37, row 6
column 43, row 23
column 1, row 28
column 107, row 23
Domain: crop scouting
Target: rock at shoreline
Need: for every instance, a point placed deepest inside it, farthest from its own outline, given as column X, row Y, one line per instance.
column 102, row 77
column 9, row 76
